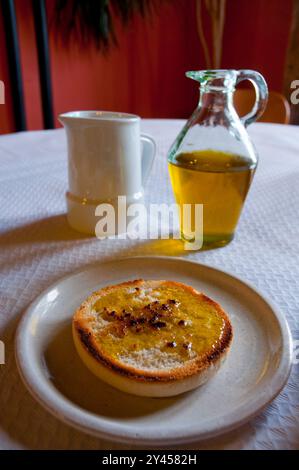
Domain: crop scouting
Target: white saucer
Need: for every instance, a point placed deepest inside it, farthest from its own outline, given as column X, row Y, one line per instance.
column 256, row 369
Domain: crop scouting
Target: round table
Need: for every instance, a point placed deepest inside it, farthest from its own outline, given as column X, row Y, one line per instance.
column 37, row 247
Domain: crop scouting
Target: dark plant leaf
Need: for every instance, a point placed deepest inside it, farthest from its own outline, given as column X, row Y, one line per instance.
column 91, row 21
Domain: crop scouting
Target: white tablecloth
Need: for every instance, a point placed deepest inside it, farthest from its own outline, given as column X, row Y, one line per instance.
column 37, row 247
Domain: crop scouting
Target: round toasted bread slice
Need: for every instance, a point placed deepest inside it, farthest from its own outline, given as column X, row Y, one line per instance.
column 151, row 338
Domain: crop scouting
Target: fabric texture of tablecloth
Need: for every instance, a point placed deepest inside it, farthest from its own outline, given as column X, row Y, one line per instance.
column 37, row 247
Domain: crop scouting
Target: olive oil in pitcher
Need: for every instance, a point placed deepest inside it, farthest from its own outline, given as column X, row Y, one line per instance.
column 218, row 180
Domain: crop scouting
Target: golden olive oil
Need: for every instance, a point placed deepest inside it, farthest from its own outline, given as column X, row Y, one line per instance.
column 218, row 180
column 202, row 332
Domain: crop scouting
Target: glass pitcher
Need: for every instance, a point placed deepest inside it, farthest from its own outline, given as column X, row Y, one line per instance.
column 212, row 161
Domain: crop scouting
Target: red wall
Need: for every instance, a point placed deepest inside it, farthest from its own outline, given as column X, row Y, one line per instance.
column 145, row 74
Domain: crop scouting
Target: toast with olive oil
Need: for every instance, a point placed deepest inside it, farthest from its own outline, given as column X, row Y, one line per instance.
column 152, row 338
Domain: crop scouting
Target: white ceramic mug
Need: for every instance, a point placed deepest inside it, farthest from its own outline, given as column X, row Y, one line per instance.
column 107, row 158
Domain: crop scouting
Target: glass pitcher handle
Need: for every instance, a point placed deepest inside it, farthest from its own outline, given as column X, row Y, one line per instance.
column 261, row 92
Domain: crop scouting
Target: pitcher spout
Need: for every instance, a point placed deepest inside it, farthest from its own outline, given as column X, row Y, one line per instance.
column 215, row 79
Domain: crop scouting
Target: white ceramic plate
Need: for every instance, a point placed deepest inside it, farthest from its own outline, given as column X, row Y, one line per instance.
column 256, row 369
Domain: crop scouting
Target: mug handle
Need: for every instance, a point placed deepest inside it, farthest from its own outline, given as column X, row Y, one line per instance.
column 148, row 154
column 261, row 92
